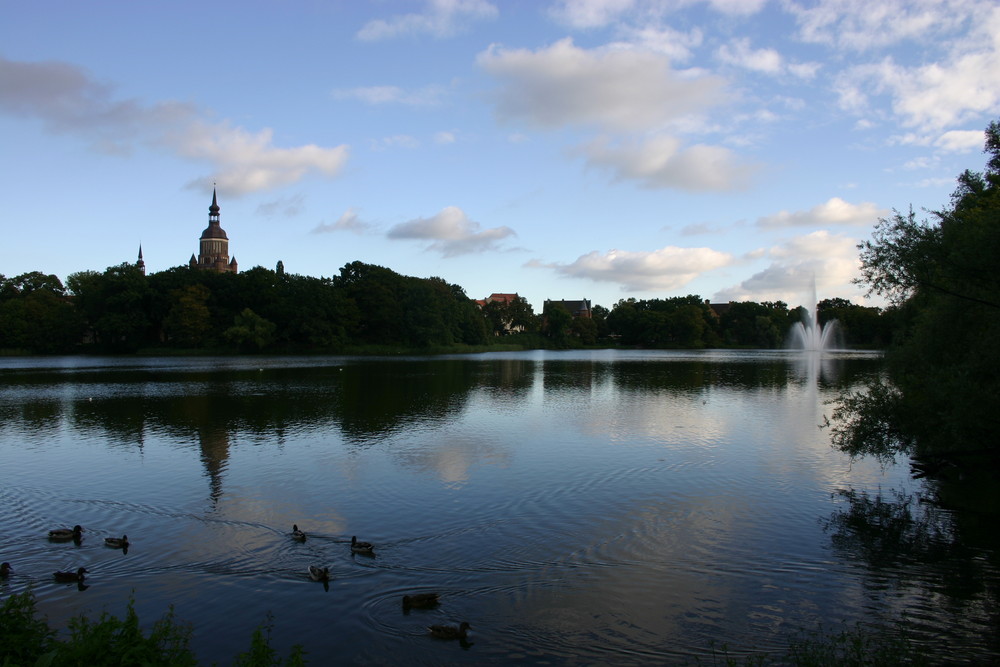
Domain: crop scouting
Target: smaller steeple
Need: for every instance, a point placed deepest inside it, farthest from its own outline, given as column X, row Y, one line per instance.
column 141, row 265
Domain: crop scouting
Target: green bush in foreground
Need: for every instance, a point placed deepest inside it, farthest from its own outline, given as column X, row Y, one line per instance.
column 28, row 641
column 25, row 638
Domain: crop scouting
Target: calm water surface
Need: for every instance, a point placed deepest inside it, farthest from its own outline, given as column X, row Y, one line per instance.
column 575, row 508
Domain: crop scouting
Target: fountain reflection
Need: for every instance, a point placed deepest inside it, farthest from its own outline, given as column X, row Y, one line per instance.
column 817, row 367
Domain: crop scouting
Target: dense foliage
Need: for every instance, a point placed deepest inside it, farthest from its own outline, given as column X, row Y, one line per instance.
column 122, row 310
column 109, row 640
column 943, row 402
column 690, row 322
column 364, row 307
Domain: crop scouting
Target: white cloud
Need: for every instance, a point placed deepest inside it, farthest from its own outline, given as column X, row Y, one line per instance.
column 934, row 182
column 621, row 91
column 806, row 71
column 452, row 233
column 445, row 137
column 919, row 163
column 862, row 25
column 834, row 211
column 935, row 94
column 737, row 7
column 665, row 269
column 661, row 162
column 247, row 162
column 676, row 45
column 612, row 89
column 584, row 14
column 66, row 100
column 375, row 95
column 961, row 141
column 441, row 18
column 589, row 13
column 830, row 259
column 347, row 222
column 740, row 53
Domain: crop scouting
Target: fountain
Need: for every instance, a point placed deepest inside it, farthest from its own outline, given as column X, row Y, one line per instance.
column 809, row 336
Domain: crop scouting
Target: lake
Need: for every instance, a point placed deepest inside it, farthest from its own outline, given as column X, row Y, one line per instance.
column 586, row 507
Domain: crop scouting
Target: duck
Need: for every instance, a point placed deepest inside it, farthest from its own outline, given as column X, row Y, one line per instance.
column 420, row 600
column 319, row 573
column 449, row 631
column 117, row 542
column 5, row 570
column 62, row 534
column 297, row 534
column 71, row 575
column 362, row 547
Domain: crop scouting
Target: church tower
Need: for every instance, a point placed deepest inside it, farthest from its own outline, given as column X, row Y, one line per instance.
column 213, row 252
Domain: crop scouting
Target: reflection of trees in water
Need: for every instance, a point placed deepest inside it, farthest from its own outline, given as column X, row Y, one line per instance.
column 778, row 372
column 889, row 532
column 383, row 397
column 210, row 407
column 928, row 557
column 571, row 374
column 36, row 416
column 362, row 400
column 505, row 378
column 122, row 420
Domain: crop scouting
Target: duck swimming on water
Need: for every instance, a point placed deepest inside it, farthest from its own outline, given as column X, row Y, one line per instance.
column 449, row 631
column 297, row 534
column 362, row 547
column 65, row 534
column 117, row 542
column 319, row 573
column 71, row 575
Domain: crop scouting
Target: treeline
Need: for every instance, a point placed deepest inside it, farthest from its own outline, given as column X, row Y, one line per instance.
column 689, row 322
column 365, row 306
column 122, row 310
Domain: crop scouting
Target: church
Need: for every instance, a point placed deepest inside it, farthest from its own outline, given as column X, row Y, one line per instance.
column 213, row 252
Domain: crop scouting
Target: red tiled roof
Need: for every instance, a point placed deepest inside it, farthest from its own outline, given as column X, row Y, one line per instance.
column 499, row 296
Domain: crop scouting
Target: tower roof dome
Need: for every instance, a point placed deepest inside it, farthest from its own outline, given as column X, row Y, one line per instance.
column 214, row 231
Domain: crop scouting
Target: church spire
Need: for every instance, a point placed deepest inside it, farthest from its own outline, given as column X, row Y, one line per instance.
column 213, row 210
column 141, row 264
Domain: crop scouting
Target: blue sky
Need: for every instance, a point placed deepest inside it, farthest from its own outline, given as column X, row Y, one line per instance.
column 561, row 149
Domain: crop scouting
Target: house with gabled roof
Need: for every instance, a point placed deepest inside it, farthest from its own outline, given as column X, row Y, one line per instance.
column 579, row 308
